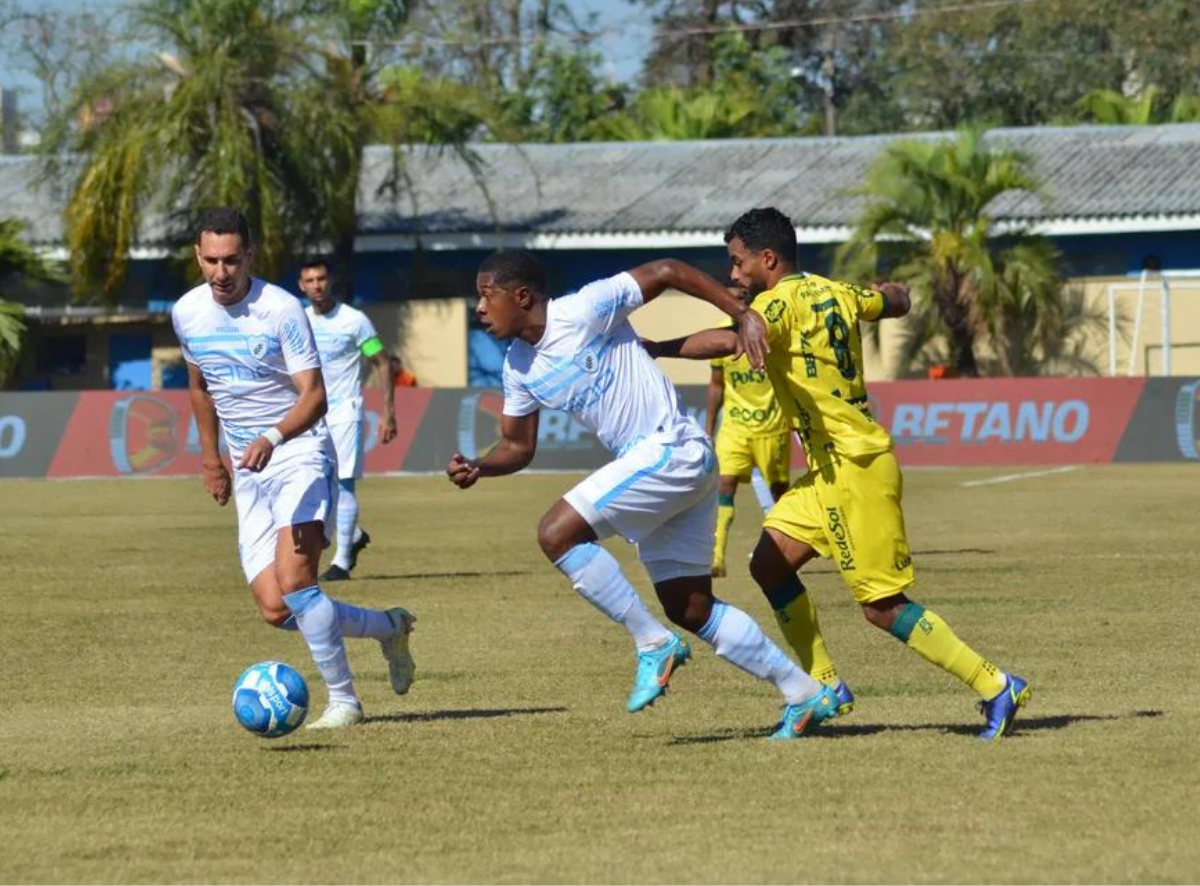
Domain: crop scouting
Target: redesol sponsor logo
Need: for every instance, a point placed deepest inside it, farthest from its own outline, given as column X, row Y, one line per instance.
column 141, row 434
column 840, row 538
column 981, row 421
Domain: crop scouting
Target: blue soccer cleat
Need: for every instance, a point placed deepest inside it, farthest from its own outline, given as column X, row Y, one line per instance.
column 654, row 669
column 845, row 698
column 1002, row 710
column 798, row 717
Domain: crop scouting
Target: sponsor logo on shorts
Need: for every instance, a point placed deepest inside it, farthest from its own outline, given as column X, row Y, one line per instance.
column 903, row 561
column 841, row 538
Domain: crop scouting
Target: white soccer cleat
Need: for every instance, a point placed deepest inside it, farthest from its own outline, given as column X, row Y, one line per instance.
column 401, row 666
column 338, row 715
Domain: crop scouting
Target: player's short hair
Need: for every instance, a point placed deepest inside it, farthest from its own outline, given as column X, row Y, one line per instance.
column 515, row 266
column 316, row 261
column 223, row 220
column 763, row 229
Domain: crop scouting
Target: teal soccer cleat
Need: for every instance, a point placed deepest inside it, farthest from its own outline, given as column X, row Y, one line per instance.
column 845, row 698
column 798, row 717
column 1002, row 710
column 654, row 670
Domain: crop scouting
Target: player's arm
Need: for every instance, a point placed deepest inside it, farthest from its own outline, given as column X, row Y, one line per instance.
column 704, row 345
column 383, row 376
column 216, row 476
column 517, row 446
column 655, row 278
column 713, row 400
column 309, row 408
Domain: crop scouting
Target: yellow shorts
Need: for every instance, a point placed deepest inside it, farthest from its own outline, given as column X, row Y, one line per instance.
column 738, row 455
column 850, row 512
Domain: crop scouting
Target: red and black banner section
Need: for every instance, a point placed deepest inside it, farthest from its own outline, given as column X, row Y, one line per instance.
column 1165, row 425
column 31, row 428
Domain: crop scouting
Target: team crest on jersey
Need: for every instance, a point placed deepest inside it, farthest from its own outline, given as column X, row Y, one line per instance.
column 588, row 360
column 775, row 310
column 261, row 346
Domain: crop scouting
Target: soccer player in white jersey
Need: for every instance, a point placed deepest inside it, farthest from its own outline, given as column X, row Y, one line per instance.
column 253, row 369
column 579, row 354
column 344, row 336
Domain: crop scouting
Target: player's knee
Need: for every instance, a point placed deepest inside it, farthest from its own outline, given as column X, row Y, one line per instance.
column 882, row 613
column 551, row 540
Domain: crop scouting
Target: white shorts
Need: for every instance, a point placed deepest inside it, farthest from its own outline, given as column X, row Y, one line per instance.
column 348, row 441
column 297, row 487
column 660, row 495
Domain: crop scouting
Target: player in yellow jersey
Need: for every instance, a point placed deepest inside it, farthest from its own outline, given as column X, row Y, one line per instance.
column 754, row 435
column 848, row 506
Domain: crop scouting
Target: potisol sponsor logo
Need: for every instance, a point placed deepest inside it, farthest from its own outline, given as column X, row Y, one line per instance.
column 841, row 538
column 741, row 377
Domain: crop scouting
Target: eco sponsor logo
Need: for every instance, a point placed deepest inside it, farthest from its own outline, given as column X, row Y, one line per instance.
column 12, row 435
column 982, row 421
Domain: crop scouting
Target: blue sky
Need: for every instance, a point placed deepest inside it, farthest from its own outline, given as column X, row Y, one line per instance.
column 624, row 45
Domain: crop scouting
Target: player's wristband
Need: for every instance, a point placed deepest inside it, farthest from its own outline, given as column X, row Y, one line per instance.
column 274, row 435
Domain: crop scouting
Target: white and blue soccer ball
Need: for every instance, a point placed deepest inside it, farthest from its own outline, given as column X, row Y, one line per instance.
column 270, row 699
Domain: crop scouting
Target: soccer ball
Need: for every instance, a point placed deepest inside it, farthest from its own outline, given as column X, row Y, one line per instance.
column 270, row 699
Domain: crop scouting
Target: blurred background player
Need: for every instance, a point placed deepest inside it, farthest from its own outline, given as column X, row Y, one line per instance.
column 579, row 354
column 847, row 507
column 254, row 368
column 753, row 441
column 344, row 336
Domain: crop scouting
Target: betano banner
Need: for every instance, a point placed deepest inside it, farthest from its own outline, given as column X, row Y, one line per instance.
column 1033, row 421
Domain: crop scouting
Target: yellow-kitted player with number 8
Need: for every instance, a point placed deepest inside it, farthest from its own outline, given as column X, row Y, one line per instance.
column 847, row 507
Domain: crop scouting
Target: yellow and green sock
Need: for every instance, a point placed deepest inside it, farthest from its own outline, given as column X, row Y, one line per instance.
column 929, row 636
column 724, row 521
column 797, row 617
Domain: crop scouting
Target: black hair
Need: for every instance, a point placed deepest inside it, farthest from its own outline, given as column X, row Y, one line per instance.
column 515, row 266
column 316, row 261
column 763, row 229
column 223, row 220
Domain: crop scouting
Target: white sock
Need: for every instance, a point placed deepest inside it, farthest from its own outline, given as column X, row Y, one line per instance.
column 317, row 619
column 735, row 637
column 762, row 490
column 356, row 621
column 347, row 523
column 596, row 575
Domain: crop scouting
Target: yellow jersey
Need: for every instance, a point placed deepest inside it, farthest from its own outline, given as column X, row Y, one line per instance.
column 815, row 363
column 749, row 407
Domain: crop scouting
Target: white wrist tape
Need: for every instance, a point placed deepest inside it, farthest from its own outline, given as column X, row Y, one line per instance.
column 273, row 435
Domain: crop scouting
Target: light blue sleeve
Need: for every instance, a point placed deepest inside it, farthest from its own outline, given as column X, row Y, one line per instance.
column 606, row 304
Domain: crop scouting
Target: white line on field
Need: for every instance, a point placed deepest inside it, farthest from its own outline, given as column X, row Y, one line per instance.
column 1006, row 477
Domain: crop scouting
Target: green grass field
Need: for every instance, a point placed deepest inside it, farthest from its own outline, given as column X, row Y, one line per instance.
column 124, row 621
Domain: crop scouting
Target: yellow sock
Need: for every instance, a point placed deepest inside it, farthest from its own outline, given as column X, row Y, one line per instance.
column 724, row 521
column 797, row 617
column 931, row 638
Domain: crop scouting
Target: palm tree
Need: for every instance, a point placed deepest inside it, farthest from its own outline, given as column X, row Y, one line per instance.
column 1106, row 106
column 926, row 221
column 17, row 260
column 266, row 105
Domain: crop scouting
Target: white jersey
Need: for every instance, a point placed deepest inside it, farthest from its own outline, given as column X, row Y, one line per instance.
column 340, row 335
column 248, row 353
column 590, row 363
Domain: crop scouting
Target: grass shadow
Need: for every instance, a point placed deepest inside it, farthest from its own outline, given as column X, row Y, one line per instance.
column 300, row 748
column 420, row 575
column 846, row 730
column 462, row 714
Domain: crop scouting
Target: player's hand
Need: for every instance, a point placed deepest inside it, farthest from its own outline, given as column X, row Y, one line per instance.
column 217, row 482
column 752, row 339
column 387, row 429
column 257, row 455
column 462, row 472
column 892, row 290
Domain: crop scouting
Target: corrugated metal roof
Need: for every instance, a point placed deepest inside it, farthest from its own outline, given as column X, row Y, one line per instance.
column 1105, row 174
